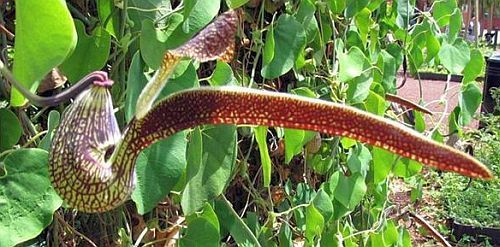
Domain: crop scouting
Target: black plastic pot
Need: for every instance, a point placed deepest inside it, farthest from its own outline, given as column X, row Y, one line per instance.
column 458, row 230
column 492, row 81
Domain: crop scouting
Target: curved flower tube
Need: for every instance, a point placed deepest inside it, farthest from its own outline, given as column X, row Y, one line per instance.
column 87, row 181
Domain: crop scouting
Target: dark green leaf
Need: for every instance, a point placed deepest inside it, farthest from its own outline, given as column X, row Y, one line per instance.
column 200, row 232
column 105, row 12
column 11, row 129
column 405, row 9
column 336, row 6
column 135, row 83
column 232, row 222
column 358, row 159
column 152, row 41
column 354, row 6
column 288, row 33
column 137, row 14
column 211, row 158
column 455, row 25
column 323, row 203
column 359, row 88
column 233, row 4
column 158, row 169
column 305, row 15
column 90, row 54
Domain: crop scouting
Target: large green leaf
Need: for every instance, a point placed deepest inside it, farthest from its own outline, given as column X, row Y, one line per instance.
column 10, row 129
column 382, row 164
column 27, row 199
column 295, row 141
column 305, row 15
column 90, row 54
column 158, row 169
column 336, row 6
column 352, row 64
column 199, row 15
column 454, row 57
column 359, row 88
column 387, row 63
column 469, row 101
column 323, row 203
column 350, row 190
column 289, row 41
column 211, row 157
column 442, row 10
column 105, row 12
column 455, row 25
column 45, row 36
column 200, row 232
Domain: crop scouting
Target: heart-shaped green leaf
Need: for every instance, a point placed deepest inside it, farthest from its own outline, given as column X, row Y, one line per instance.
column 27, row 199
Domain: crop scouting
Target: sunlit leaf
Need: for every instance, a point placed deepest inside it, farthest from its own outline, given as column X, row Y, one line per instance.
column 469, row 101
column 45, row 36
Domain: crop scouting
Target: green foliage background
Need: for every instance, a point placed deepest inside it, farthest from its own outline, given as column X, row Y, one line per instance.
column 246, row 186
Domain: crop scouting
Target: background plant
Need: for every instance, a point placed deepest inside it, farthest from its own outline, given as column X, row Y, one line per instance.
column 297, row 186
